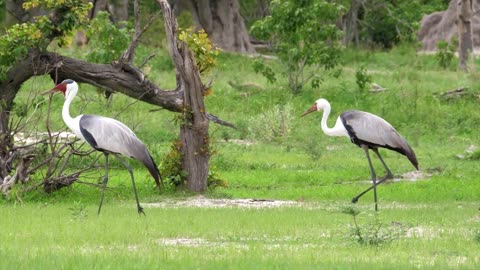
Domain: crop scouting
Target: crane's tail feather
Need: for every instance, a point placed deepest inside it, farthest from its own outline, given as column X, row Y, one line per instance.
column 153, row 169
column 413, row 158
column 408, row 152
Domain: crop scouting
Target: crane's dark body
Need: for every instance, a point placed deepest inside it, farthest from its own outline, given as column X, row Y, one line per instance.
column 368, row 129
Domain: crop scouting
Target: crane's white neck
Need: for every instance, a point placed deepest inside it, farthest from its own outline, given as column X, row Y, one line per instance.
column 69, row 121
column 338, row 129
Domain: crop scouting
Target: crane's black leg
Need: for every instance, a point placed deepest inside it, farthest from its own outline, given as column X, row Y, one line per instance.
column 374, row 180
column 105, row 180
column 129, row 168
column 389, row 174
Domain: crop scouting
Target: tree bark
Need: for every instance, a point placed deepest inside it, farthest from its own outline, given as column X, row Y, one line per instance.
column 464, row 26
column 119, row 9
column 351, row 23
column 221, row 20
column 194, row 129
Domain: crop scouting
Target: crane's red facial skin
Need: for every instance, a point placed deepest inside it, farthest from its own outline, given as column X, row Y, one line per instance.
column 62, row 87
column 312, row 109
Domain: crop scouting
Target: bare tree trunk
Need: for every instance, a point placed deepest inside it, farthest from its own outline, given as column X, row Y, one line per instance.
column 350, row 25
column 194, row 133
column 119, row 9
column 221, row 20
column 194, row 129
column 5, row 140
column 465, row 43
column 9, row 89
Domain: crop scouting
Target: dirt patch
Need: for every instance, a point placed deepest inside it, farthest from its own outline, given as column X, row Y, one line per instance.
column 190, row 242
column 413, row 176
column 202, row 201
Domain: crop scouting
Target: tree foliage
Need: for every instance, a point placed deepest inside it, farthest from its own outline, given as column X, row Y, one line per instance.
column 20, row 38
column 303, row 34
column 106, row 41
column 386, row 23
column 202, row 48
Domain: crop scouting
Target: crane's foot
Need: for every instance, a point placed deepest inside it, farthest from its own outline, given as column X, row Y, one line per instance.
column 355, row 200
column 140, row 210
column 386, row 177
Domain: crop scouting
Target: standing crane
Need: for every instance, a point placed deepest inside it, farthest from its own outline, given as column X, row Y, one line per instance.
column 108, row 136
column 368, row 131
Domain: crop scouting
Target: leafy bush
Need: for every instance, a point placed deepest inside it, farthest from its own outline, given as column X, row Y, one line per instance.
column 273, row 125
column 172, row 166
column 362, row 78
column 446, row 53
column 304, row 34
column 175, row 176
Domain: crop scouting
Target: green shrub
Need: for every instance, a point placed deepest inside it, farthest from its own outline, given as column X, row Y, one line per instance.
column 273, row 125
column 304, row 34
column 363, row 79
column 445, row 53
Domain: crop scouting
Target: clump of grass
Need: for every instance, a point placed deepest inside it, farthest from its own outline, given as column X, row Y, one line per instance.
column 78, row 211
column 274, row 125
column 375, row 232
column 446, row 53
column 475, row 155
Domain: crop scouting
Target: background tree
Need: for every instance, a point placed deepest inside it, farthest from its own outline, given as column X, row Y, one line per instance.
column 464, row 24
column 383, row 24
column 221, row 20
column 303, row 34
column 350, row 23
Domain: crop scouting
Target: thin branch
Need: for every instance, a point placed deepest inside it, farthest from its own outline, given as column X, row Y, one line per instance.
column 128, row 55
column 148, row 58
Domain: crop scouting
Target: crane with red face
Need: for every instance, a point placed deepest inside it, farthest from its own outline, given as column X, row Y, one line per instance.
column 369, row 132
column 108, row 136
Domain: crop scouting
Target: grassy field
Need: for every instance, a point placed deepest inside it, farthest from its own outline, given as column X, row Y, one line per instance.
column 429, row 223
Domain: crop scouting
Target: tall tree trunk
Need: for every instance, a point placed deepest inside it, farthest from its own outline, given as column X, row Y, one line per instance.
column 8, row 90
column 350, row 25
column 194, row 129
column 221, row 20
column 119, row 9
column 464, row 25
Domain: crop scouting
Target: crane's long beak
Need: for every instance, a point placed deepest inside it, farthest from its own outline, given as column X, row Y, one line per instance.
column 54, row 90
column 312, row 109
column 51, row 91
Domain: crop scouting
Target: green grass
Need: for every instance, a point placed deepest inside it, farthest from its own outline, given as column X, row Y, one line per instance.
column 62, row 230
column 313, row 236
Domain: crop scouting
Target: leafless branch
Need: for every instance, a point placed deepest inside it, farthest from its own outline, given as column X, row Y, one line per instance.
column 128, row 55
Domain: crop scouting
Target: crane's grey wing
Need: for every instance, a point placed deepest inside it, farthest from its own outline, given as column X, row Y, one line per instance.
column 110, row 135
column 369, row 129
column 107, row 134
